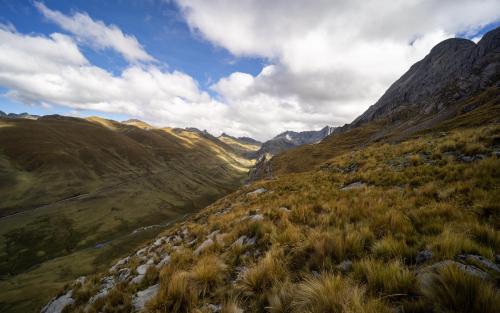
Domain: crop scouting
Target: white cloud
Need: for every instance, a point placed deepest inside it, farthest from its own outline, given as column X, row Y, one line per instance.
column 331, row 59
column 97, row 34
column 327, row 62
column 51, row 70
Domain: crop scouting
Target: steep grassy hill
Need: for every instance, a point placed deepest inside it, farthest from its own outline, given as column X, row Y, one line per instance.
column 407, row 227
column 246, row 146
column 73, row 190
column 305, row 158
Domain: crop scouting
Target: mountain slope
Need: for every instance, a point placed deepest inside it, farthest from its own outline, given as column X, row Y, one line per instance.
column 386, row 228
column 457, row 79
column 291, row 139
column 244, row 145
column 77, row 192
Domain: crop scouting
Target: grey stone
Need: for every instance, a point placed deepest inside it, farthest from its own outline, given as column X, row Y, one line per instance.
column 142, row 297
column 204, row 246
column 142, row 269
column 214, row 307
column 212, row 234
column 355, row 185
column 137, row 279
column 119, row 263
column 123, row 274
column 345, row 266
column 57, row 305
column 423, row 256
column 80, row 280
column 284, row 209
column 163, row 261
column 471, row 258
column 257, row 192
column 107, row 283
column 424, row 275
column 256, row 217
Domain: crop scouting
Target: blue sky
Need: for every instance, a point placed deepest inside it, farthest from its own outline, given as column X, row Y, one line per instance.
column 247, row 68
column 157, row 24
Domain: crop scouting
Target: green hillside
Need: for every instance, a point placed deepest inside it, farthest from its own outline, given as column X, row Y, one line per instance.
column 391, row 227
column 73, row 190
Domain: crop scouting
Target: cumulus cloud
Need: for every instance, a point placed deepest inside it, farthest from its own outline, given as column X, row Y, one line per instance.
column 330, row 59
column 97, row 34
column 327, row 61
column 41, row 70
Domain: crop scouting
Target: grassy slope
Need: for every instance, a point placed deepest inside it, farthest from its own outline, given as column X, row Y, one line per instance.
column 417, row 196
column 123, row 178
column 241, row 146
column 395, row 129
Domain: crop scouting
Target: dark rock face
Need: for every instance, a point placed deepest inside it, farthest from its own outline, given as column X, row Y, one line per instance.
column 454, row 69
column 290, row 139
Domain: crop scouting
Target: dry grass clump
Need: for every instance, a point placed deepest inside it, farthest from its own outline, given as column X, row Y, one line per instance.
column 387, row 279
column 263, row 275
column 176, row 295
column 208, row 272
column 453, row 290
column 231, row 306
column 331, row 294
column 450, row 243
column 280, row 298
column 391, row 248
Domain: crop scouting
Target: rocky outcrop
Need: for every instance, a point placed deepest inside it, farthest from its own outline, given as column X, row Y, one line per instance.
column 453, row 70
column 290, row 139
column 58, row 304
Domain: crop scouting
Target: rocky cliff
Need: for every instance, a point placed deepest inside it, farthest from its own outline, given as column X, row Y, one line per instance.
column 453, row 70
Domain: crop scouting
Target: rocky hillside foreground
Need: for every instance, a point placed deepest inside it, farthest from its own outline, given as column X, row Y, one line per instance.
column 407, row 227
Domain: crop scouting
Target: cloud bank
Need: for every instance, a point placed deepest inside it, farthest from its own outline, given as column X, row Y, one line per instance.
column 327, row 61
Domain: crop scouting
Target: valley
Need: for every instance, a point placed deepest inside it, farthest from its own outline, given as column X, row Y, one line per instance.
column 74, row 211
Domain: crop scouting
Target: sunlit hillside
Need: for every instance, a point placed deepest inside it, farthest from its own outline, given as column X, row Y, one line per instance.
column 73, row 190
column 410, row 226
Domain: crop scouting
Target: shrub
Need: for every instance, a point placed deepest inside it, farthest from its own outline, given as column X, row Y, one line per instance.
column 453, row 290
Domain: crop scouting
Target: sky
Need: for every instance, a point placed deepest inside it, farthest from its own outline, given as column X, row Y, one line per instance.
column 244, row 67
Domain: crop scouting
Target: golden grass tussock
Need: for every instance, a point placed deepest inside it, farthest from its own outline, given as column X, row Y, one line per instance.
column 453, row 290
column 264, row 274
column 330, row 294
column 208, row 271
column 385, row 278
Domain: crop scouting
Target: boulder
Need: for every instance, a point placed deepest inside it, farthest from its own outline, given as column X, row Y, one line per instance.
column 480, row 260
column 424, row 275
column 142, row 269
column 142, row 297
column 423, row 256
column 257, row 192
column 163, row 262
column 58, row 304
column 204, row 246
column 107, row 283
column 355, row 185
column 256, row 217
column 345, row 266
